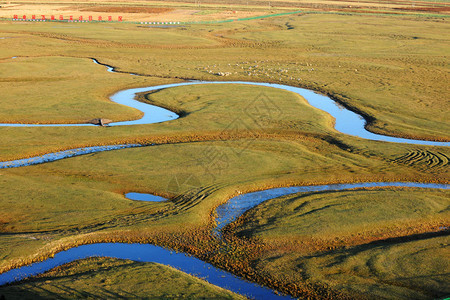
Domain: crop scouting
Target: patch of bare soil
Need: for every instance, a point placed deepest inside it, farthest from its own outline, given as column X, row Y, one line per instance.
column 128, row 9
column 426, row 9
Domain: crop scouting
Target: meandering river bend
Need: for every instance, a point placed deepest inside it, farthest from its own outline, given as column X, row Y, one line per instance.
column 347, row 122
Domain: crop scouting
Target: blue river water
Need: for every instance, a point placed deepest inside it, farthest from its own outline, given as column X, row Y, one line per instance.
column 147, row 253
column 144, row 197
column 227, row 213
column 236, row 206
column 347, row 122
column 49, row 157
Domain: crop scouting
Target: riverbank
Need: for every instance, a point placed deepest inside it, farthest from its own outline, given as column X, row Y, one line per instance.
column 224, row 144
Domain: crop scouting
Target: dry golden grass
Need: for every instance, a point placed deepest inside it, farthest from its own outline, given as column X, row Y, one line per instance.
column 117, row 278
column 401, row 91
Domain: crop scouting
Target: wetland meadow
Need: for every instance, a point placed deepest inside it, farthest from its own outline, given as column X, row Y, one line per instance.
column 304, row 154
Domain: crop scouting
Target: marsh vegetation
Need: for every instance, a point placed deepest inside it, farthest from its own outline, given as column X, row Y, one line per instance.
column 369, row 242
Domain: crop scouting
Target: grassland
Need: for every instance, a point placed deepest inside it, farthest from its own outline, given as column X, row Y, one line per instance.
column 217, row 9
column 394, row 79
column 386, row 270
column 118, row 279
column 322, row 219
column 391, row 69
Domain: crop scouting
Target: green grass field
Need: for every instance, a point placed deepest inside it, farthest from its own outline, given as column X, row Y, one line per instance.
column 413, row 269
column 391, row 69
column 334, row 217
column 118, row 279
column 395, row 79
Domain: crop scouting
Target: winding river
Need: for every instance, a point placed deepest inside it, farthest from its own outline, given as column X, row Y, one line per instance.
column 227, row 213
column 347, row 122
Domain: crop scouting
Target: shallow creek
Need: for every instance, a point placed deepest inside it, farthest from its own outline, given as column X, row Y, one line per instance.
column 347, row 122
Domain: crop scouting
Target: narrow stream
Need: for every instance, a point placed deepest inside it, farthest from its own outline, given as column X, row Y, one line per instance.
column 236, row 206
column 347, row 122
column 146, row 253
column 61, row 155
column 227, row 213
